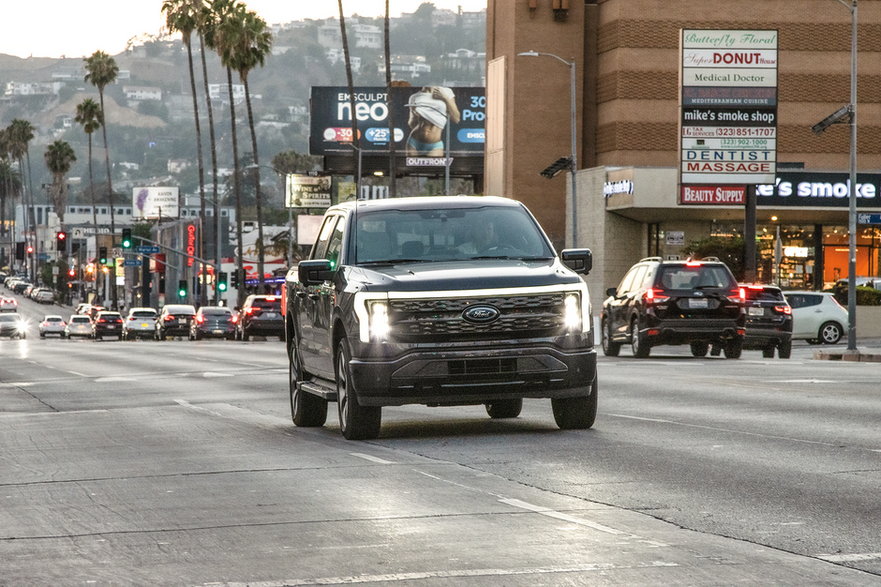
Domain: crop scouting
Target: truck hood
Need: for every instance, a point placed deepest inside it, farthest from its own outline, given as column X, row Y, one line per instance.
column 463, row 275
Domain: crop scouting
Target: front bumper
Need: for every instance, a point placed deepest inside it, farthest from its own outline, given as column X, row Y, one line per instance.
column 441, row 376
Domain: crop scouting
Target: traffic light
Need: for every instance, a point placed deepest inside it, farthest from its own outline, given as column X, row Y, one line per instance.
column 102, row 255
column 235, row 278
column 126, row 238
column 61, row 241
column 71, row 272
column 222, row 281
column 182, row 288
column 30, row 249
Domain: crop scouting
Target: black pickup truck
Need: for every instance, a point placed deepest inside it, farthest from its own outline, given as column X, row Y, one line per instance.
column 439, row 301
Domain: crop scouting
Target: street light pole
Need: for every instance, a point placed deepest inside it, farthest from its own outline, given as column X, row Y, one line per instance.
column 852, row 197
column 573, row 118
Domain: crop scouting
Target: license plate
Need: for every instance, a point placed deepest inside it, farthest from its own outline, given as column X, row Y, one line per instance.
column 270, row 314
column 217, row 331
column 698, row 303
column 111, row 327
column 144, row 325
column 756, row 311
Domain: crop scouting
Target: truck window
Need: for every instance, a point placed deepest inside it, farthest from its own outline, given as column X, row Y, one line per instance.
column 320, row 248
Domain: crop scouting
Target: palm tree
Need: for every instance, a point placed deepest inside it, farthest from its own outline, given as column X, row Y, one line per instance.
column 182, row 16
column 59, row 157
column 220, row 34
column 11, row 180
column 351, row 85
column 89, row 115
column 251, row 44
column 102, row 70
column 21, row 132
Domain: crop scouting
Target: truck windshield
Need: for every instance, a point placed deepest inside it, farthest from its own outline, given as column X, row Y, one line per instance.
column 492, row 232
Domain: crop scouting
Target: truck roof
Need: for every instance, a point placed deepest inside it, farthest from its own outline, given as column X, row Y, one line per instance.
column 427, row 203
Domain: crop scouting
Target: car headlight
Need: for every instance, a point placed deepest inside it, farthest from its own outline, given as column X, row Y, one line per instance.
column 21, row 326
column 372, row 310
column 379, row 322
column 572, row 311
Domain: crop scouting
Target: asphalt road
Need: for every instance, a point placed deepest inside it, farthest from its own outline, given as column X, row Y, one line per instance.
column 176, row 463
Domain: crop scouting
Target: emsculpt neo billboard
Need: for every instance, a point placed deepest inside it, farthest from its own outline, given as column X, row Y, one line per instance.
column 420, row 116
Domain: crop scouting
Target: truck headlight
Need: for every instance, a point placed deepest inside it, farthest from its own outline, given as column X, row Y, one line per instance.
column 379, row 323
column 572, row 311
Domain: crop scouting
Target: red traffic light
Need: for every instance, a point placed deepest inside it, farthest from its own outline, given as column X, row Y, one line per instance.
column 61, row 236
column 72, row 272
column 30, row 249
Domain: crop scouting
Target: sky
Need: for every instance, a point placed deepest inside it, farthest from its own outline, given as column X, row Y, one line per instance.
column 78, row 28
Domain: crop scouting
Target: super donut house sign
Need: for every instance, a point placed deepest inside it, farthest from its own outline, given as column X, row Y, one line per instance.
column 728, row 111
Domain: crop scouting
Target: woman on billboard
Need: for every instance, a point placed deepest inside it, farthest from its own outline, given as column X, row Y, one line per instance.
column 431, row 109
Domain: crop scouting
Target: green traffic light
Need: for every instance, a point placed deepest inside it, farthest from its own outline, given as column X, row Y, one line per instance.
column 126, row 238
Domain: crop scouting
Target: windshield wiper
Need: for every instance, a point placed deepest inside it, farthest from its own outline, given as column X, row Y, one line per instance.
column 393, row 261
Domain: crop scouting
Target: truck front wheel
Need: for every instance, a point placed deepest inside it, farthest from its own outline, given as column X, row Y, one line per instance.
column 504, row 408
column 357, row 422
column 576, row 413
column 307, row 410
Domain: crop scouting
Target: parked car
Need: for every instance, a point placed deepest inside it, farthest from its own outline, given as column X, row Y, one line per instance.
column 768, row 320
column 43, row 295
column 697, row 303
column 260, row 315
column 79, row 325
column 8, row 304
column 816, row 316
column 213, row 321
column 174, row 320
column 139, row 323
column 108, row 323
column 13, row 325
column 52, row 324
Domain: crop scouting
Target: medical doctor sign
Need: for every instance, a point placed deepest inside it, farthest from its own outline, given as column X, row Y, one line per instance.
column 728, row 107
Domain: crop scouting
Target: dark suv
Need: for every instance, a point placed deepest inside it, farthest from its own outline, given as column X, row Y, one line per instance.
column 768, row 321
column 107, row 324
column 260, row 316
column 174, row 320
column 697, row 303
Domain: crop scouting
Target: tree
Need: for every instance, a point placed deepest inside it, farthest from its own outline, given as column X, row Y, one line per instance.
column 351, row 86
column 249, row 45
column 288, row 162
column 10, row 180
column 20, row 134
column 729, row 250
column 183, row 16
column 59, row 157
column 89, row 115
column 393, row 172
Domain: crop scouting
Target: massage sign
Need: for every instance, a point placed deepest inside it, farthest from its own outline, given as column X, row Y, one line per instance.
column 728, row 106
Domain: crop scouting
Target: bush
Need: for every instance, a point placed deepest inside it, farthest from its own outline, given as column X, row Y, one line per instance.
column 866, row 296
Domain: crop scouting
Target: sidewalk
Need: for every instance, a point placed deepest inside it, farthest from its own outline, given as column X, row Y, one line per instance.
column 868, row 351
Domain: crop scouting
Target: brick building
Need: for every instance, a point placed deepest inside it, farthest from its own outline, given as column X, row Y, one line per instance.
column 626, row 57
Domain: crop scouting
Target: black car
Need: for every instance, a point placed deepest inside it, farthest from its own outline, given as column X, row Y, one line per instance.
column 697, row 303
column 213, row 322
column 108, row 324
column 768, row 321
column 260, row 315
column 174, row 320
column 13, row 325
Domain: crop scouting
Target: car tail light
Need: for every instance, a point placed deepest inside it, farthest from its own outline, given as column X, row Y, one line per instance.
column 738, row 296
column 131, row 318
column 692, row 263
column 200, row 319
column 234, row 319
column 654, row 295
column 787, row 309
column 270, row 298
column 101, row 320
column 169, row 318
column 249, row 310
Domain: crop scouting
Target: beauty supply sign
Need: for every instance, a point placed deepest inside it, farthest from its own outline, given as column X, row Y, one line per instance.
column 728, row 108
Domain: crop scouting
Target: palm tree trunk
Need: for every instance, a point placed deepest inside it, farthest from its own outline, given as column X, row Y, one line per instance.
column 218, row 257
column 260, row 249
column 356, row 145
column 31, row 212
column 392, row 161
column 240, row 266
column 114, row 305
column 203, row 289
column 92, row 194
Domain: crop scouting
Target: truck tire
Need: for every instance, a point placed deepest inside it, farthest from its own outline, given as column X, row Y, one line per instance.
column 576, row 413
column 307, row 410
column 357, row 422
column 504, row 408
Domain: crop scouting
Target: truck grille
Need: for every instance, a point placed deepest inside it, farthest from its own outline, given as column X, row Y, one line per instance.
column 534, row 315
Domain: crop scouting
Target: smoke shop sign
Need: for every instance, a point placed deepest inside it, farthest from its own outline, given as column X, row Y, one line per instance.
column 820, row 189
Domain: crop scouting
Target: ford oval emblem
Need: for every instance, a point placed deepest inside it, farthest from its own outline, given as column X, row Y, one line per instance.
column 481, row 314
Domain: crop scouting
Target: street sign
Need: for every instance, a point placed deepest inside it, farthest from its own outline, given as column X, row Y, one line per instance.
column 147, row 249
column 132, row 262
column 868, row 218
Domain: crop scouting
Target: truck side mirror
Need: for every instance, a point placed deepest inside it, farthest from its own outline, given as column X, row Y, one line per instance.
column 315, row 271
column 578, row 260
column 611, row 292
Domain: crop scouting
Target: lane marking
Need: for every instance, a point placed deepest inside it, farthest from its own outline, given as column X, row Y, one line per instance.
column 848, row 558
column 560, row 516
column 209, row 374
column 77, row 373
column 451, row 574
column 372, row 458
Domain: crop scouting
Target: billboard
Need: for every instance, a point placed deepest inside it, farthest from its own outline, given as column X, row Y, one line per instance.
column 151, row 203
column 728, row 111
column 307, row 191
column 419, row 115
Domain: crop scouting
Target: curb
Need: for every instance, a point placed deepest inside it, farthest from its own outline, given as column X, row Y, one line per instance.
column 854, row 356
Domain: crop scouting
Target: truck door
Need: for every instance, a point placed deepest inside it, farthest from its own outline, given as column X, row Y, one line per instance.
column 308, row 317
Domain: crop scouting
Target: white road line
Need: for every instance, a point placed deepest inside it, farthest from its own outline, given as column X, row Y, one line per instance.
column 848, row 558
column 77, row 373
column 560, row 516
column 209, row 374
column 451, row 574
column 372, row 458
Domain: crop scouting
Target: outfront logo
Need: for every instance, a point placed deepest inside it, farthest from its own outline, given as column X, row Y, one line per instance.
column 481, row 314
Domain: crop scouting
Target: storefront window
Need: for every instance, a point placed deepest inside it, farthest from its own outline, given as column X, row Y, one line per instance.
column 786, row 255
column 836, row 248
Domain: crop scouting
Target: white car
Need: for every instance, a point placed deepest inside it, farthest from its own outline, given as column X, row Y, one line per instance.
column 43, row 295
column 139, row 323
column 79, row 325
column 816, row 316
column 52, row 324
column 8, row 304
